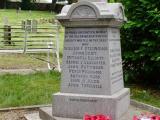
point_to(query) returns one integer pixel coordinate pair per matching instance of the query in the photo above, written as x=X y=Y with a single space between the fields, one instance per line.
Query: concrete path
x=22 y=71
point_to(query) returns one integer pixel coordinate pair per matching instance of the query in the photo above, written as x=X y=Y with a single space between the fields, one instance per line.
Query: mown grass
x=33 y=89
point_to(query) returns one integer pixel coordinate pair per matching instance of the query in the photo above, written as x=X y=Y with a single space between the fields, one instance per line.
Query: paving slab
x=33 y=116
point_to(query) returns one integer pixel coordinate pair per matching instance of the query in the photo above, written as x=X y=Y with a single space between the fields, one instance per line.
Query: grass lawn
x=9 y=61
x=13 y=17
x=24 y=61
x=146 y=95
x=33 y=89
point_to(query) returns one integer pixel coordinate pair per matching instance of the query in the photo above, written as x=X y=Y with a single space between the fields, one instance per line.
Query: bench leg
x=48 y=59
x=58 y=62
x=49 y=63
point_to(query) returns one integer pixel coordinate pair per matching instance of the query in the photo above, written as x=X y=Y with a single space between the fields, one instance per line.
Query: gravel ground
x=15 y=114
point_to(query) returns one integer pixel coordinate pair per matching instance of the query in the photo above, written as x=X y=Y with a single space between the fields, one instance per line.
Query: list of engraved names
x=116 y=73
x=85 y=57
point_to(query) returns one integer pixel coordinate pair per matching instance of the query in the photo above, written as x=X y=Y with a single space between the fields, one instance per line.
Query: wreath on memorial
x=105 y=117
x=147 y=117
x=96 y=117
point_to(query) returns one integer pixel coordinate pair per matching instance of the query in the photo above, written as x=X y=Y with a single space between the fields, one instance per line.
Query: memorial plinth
x=92 y=75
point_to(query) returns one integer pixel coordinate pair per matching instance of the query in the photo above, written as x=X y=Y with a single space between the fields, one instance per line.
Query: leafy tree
x=3 y=3
x=113 y=1
x=26 y=5
x=141 y=41
x=72 y=1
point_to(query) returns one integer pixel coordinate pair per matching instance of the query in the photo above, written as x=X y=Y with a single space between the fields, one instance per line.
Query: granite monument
x=92 y=75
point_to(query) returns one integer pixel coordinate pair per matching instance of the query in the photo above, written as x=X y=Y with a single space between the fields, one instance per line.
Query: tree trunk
x=53 y=4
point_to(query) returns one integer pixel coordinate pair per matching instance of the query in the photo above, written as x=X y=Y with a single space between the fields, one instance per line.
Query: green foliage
x=112 y=1
x=3 y=3
x=72 y=1
x=26 y=5
x=141 y=41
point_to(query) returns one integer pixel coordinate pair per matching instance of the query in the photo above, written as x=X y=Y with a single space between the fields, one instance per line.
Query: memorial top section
x=92 y=11
x=94 y=0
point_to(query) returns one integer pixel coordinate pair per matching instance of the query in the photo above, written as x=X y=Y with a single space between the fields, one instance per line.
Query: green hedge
x=141 y=41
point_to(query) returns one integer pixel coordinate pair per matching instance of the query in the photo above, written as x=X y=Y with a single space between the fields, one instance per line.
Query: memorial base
x=70 y=105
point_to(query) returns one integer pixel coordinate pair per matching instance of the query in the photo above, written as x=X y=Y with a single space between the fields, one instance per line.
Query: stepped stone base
x=45 y=113
x=76 y=105
x=69 y=105
x=128 y=116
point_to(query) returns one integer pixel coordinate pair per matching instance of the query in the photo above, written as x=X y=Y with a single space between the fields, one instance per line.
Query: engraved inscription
x=85 y=57
x=116 y=73
x=83 y=11
x=82 y=100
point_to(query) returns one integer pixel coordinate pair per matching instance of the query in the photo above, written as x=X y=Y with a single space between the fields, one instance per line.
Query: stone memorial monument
x=28 y=26
x=34 y=26
x=92 y=75
x=7 y=32
x=23 y=24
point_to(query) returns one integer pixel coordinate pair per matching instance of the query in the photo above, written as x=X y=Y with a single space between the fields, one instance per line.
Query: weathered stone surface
x=136 y=108
x=76 y=105
x=92 y=61
x=34 y=25
x=29 y=25
x=33 y=116
x=127 y=116
x=93 y=13
x=46 y=114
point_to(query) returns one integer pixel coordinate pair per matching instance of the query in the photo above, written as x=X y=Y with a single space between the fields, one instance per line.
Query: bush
x=26 y=5
x=141 y=41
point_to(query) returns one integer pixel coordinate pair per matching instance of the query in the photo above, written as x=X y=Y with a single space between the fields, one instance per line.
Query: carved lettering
x=84 y=63
x=83 y=11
